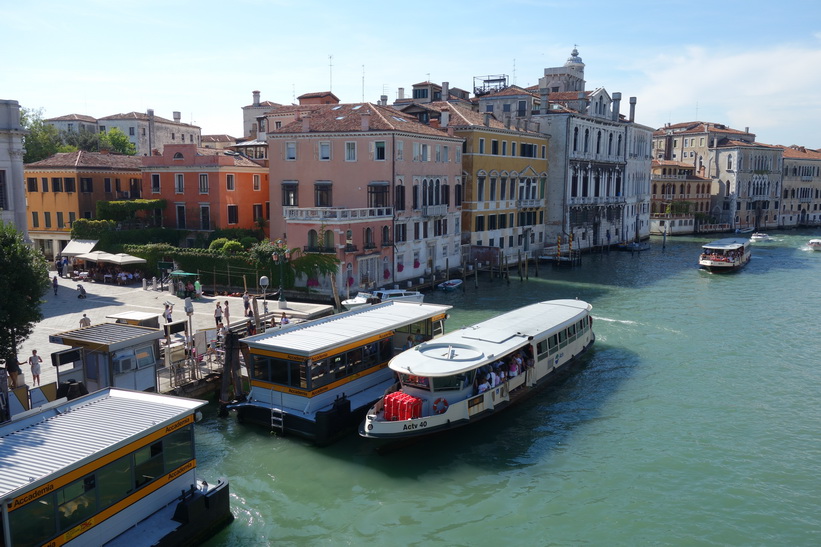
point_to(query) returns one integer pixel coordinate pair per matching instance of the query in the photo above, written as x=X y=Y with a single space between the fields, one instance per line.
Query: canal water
x=695 y=420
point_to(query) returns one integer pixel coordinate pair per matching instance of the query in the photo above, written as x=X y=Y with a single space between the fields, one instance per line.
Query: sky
x=744 y=63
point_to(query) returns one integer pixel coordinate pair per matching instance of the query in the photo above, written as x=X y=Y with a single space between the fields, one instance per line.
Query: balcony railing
x=319 y=249
x=529 y=203
x=603 y=200
x=434 y=210
x=337 y=215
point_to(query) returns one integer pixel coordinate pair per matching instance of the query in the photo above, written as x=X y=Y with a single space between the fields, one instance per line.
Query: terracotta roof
x=143 y=117
x=263 y=103
x=800 y=152
x=317 y=94
x=218 y=138
x=563 y=96
x=72 y=117
x=685 y=128
x=509 y=91
x=343 y=118
x=732 y=143
x=420 y=84
x=82 y=159
x=671 y=163
x=239 y=159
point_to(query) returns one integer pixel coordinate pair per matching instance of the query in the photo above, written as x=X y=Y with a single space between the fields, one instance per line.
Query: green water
x=694 y=421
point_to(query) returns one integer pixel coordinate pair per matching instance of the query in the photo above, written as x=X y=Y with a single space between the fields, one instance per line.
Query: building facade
x=206 y=189
x=64 y=187
x=148 y=132
x=370 y=185
x=801 y=193
x=680 y=199
x=12 y=193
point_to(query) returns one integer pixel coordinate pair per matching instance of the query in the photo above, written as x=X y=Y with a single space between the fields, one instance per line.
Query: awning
x=96 y=256
x=78 y=246
x=122 y=259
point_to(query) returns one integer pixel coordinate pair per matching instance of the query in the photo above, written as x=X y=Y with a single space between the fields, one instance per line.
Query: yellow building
x=504 y=175
x=64 y=187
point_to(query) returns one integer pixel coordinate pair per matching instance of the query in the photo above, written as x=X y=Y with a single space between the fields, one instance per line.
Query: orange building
x=206 y=188
x=64 y=187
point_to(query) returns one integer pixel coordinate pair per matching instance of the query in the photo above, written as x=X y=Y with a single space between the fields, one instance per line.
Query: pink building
x=369 y=184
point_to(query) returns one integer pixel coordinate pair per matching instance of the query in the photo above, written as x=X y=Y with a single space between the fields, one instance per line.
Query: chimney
x=543 y=98
x=434 y=123
x=507 y=120
x=401 y=93
x=747 y=129
x=306 y=122
x=445 y=90
x=450 y=132
x=616 y=105
x=487 y=119
x=177 y=117
x=383 y=100
x=366 y=120
x=256 y=98
x=632 y=109
x=444 y=120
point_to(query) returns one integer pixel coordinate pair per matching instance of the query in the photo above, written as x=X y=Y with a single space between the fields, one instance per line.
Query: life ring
x=440 y=405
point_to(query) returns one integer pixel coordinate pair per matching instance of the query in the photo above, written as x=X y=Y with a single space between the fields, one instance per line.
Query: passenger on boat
x=513 y=368
x=483 y=385
x=409 y=343
x=492 y=379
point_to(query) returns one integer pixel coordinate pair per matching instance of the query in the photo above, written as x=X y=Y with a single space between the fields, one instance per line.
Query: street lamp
x=280 y=256
x=263 y=282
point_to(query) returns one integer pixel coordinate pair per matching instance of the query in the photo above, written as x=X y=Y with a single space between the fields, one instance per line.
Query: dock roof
x=44 y=444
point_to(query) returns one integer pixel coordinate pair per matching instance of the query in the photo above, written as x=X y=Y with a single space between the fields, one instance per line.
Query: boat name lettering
x=292 y=357
x=406 y=427
x=33 y=495
x=77 y=530
x=176 y=425
x=177 y=472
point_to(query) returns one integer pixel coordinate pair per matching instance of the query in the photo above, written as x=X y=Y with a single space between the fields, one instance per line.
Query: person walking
x=35 y=361
x=218 y=314
x=85 y=321
x=55 y=284
x=13 y=369
x=246 y=302
x=227 y=314
x=167 y=312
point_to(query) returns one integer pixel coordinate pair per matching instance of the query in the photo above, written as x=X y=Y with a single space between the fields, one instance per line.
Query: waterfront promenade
x=64 y=311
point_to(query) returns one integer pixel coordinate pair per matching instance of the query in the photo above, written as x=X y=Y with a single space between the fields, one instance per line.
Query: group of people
x=190 y=290
x=490 y=376
x=13 y=370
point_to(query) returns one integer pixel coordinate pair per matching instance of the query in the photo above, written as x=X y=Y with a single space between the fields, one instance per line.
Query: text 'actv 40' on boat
x=472 y=373
x=725 y=255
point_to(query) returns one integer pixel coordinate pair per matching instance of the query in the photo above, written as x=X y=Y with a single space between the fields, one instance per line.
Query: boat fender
x=440 y=405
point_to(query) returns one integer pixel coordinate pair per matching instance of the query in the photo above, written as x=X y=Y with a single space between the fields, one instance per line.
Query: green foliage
x=679 y=207
x=42 y=140
x=236 y=233
x=127 y=210
x=23 y=281
x=232 y=248
x=110 y=238
x=117 y=141
x=218 y=244
x=84 y=228
x=248 y=242
x=88 y=141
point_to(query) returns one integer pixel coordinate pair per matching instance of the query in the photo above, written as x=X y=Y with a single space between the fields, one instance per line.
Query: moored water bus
x=316 y=380
x=114 y=467
x=725 y=255
x=477 y=371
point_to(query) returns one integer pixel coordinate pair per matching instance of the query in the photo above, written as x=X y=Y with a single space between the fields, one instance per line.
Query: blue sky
x=747 y=63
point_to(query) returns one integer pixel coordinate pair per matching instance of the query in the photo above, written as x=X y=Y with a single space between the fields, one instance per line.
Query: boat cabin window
x=76 y=502
x=423 y=330
x=454 y=382
x=148 y=464
x=422 y=382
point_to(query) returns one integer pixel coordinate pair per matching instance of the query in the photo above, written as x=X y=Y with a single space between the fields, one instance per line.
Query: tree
x=88 y=141
x=23 y=281
x=117 y=141
x=42 y=140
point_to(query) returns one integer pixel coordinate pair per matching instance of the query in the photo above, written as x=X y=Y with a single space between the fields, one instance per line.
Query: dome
x=574 y=59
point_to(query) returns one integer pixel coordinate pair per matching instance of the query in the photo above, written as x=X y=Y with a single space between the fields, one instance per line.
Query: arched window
x=610 y=144
x=386 y=236
x=369 y=238
x=575 y=139
x=313 y=240
x=598 y=142
x=586 y=141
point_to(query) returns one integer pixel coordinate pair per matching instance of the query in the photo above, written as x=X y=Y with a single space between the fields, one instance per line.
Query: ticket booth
x=109 y=355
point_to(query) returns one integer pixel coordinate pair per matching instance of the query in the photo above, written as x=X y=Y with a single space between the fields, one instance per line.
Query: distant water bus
x=316 y=379
x=114 y=467
x=477 y=371
x=725 y=255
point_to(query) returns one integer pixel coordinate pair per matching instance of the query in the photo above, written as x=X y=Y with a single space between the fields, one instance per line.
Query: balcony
x=319 y=249
x=522 y=203
x=334 y=215
x=603 y=200
x=434 y=210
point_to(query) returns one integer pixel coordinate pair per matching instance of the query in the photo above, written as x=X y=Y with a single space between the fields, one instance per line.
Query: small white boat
x=725 y=255
x=814 y=244
x=760 y=236
x=450 y=285
x=746 y=230
x=384 y=295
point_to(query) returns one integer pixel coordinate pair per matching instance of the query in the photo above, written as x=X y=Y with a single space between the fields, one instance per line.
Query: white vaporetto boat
x=477 y=371
x=383 y=295
x=725 y=255
x=760 y=237
x=814 y=244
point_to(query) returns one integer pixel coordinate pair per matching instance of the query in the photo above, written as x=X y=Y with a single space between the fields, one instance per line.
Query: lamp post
x=279 y=256
x=263 y=282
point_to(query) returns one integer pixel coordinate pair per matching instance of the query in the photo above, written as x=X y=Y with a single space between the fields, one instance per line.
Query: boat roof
x=106 y=336
x=727 y=244
x=472 y=347
x=313 y=337
x=51 y=441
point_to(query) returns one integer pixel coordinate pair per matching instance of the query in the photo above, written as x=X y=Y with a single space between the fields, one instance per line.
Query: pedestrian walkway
x=64 y=312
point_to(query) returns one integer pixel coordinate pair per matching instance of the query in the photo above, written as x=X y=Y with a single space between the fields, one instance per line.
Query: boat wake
x=609 y=320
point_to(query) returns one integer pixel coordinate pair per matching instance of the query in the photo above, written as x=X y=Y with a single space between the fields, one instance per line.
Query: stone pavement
x=64 y=311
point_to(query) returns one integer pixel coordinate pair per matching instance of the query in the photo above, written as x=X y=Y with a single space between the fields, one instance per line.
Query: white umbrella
x=96 y=256
x=122 y=259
